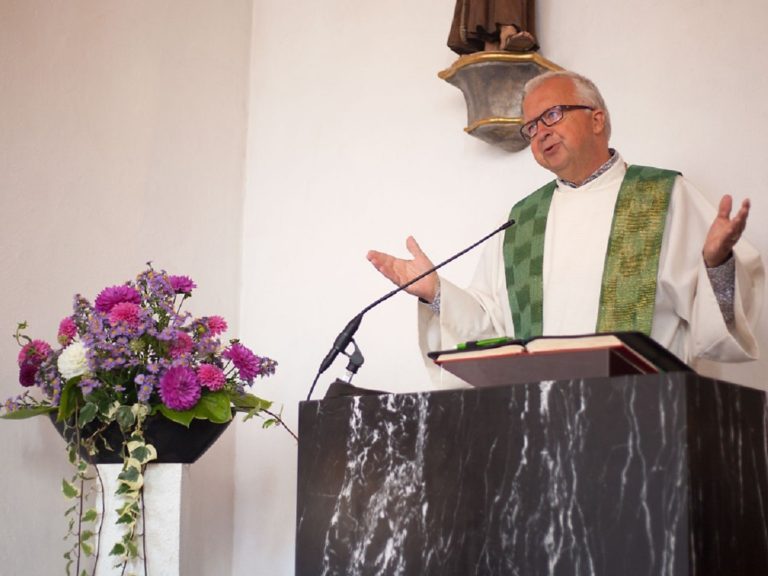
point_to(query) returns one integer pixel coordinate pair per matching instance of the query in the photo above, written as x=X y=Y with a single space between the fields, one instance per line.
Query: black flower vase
x=175 y=443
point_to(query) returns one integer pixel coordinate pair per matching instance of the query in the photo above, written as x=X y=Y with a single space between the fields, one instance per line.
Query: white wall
x=122 y=140
x=354 y=143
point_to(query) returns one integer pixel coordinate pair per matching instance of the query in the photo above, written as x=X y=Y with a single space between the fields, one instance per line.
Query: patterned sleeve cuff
x=723 y=280
x=435 y=304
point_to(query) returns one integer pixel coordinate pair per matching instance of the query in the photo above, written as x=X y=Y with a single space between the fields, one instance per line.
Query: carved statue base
x=492 y=83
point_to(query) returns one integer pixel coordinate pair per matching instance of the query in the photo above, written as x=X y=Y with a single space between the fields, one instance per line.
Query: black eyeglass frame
x=534 y=124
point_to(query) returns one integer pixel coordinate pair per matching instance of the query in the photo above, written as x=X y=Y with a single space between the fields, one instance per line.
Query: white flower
x=72 y=361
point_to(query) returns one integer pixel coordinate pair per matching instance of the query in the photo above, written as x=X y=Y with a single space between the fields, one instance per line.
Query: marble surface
x=637 y=475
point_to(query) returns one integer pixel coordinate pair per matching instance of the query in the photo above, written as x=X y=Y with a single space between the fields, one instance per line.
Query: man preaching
x=605 y=247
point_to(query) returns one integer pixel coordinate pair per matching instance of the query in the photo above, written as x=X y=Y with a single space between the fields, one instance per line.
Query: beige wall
x=122 y=140
x=355 y=143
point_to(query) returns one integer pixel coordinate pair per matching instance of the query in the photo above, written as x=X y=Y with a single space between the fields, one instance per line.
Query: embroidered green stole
x=631 y=264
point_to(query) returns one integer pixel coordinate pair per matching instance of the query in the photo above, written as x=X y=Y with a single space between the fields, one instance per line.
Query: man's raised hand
x=724 y=232
x=400 y=271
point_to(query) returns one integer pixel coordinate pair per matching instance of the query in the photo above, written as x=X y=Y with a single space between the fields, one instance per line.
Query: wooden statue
x=493 y=25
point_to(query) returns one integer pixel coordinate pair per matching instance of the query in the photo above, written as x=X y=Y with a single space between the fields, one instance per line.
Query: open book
x=501 y=361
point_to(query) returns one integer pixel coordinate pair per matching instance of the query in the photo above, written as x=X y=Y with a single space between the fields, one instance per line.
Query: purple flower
x=13 y=404
x=88 y=385
x=146 y=386
x=210 y=376
x=157 y=289
x=27 y=373
x=109 y=297
x=49 y=379
x=82 y=310
x=179 y=388
x=182 y=284
x=246 y=362
x=136 y=340
x=67 y=331
x=268 y=367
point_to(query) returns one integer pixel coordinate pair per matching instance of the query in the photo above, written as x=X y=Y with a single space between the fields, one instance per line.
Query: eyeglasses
x=549 y=117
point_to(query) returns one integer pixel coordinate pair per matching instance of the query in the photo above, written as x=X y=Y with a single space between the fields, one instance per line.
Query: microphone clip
x=355 y=360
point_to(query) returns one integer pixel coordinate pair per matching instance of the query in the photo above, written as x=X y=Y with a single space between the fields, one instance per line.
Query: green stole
x=631 y=262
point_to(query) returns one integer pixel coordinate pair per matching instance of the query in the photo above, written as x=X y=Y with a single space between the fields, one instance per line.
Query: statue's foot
x=521 y=41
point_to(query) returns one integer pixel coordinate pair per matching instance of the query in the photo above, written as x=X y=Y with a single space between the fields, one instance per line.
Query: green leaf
x=117 y=550
x=180 y=417
x=24 y=413
x=70 y=398
x=136 y=436
x=103 y=401
x=129 y=475
x=213 y=406
x=69 y=490
x=133 y=548
x=87 y=414
x=247 y=402
x=86 y=535
x=125 y=418
x=142 y=454
x=90 y=515
x=125 y=519
x=126 y=507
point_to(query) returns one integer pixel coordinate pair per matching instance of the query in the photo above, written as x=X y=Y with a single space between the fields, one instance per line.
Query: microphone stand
x=346 y=336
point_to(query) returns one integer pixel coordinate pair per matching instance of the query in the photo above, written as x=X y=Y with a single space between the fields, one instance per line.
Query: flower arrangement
x=132 y=355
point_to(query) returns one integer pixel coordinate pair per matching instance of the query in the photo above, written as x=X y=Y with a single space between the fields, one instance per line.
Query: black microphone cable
x=347 y=334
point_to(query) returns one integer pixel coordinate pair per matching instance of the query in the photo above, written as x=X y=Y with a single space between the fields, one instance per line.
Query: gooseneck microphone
x=346 y=336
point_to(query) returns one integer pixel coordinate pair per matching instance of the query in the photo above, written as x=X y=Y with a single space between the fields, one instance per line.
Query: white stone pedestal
x=162 y=506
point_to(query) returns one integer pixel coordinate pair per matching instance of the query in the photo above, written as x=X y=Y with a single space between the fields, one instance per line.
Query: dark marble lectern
x=663 y=474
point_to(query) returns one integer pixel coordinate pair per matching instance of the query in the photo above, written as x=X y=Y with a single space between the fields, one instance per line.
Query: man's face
x=574 y=147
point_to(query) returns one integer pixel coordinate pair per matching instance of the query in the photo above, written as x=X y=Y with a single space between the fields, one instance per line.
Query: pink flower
x=67 y=331
x=179 y=388
x=246 y=362
x=30 y=358
x=182 y=284
x=34 y=352
x=127 y=312
x=181 y=345
x=210 y=376
x=217 y=325
x=110 y=297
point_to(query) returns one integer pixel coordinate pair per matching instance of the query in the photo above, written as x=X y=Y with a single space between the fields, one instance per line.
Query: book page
x=506 y=350
x=549 y=343
x=540 y=344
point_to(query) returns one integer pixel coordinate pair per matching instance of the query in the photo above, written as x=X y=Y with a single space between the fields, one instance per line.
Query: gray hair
x=585 y=90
